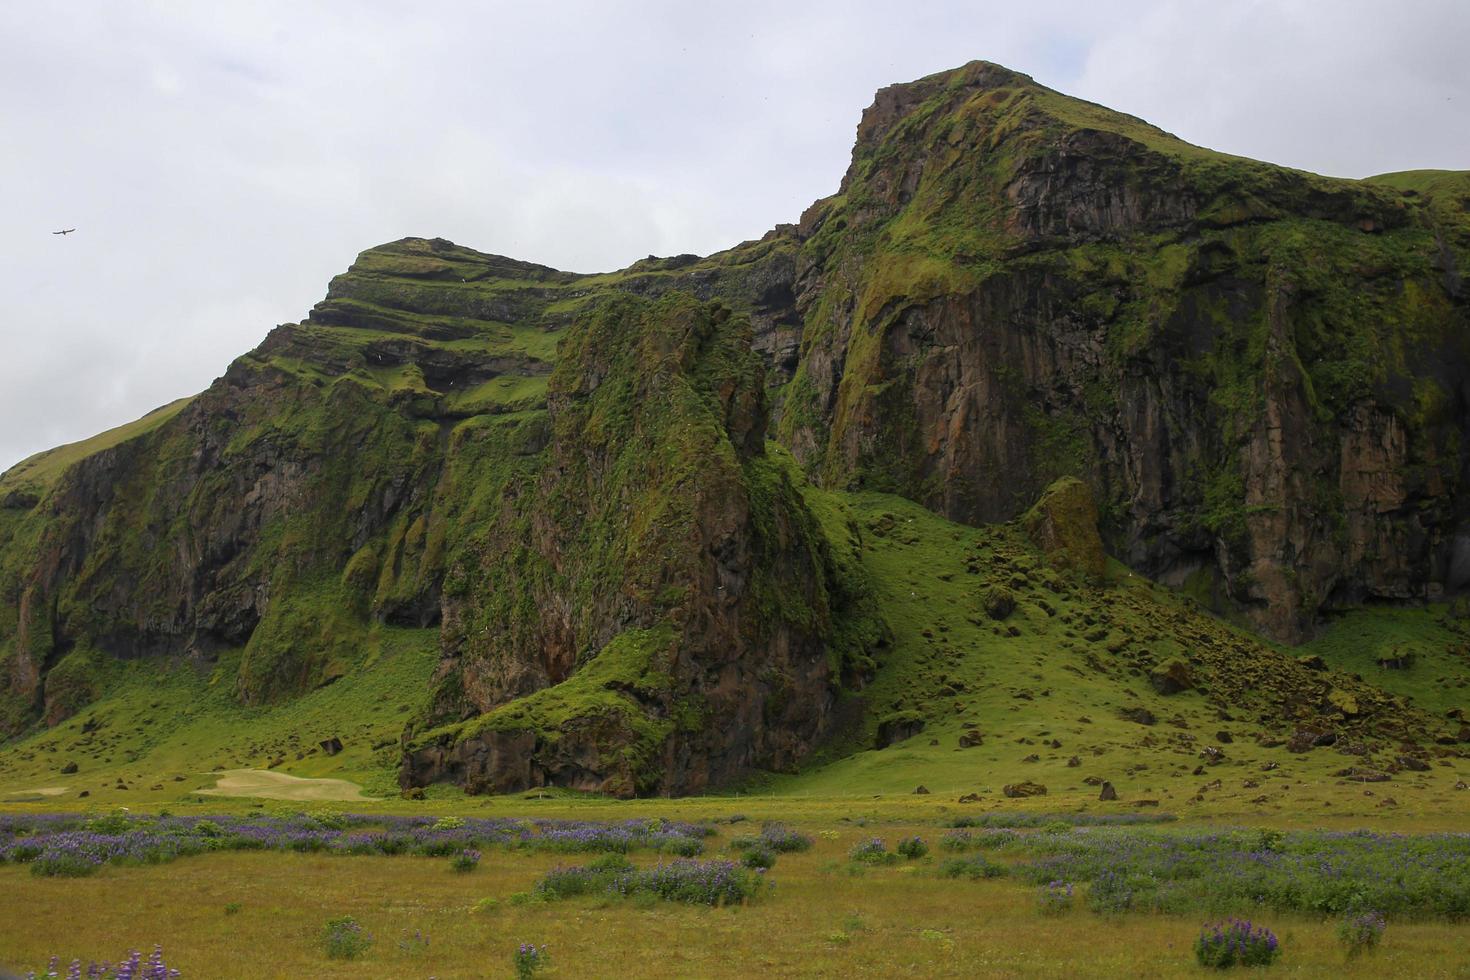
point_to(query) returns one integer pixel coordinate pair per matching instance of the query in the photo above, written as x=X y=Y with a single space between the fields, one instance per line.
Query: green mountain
x=633 y=532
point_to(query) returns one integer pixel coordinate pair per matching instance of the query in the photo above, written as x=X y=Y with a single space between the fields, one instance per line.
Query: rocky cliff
x=595 y=486
x=1261 y=372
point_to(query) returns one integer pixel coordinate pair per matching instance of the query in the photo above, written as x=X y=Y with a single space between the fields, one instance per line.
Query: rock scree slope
x=602 y=489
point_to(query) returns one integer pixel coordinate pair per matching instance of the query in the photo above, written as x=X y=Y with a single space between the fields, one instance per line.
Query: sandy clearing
x=269 y=785
x=30 y=795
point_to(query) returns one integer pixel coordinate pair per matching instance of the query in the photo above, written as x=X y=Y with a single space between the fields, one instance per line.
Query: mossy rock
x=1000 y=602
x=1063 y=523
x=1343 y=701
x=1172 y=677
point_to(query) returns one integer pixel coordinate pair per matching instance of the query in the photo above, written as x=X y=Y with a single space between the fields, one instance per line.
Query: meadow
x=249 y=890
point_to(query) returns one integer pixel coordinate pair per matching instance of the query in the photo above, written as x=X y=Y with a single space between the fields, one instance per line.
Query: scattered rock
x=1063 y=523
x=1108 y=793
x=1139 y=716
x=413 y=793
x=1172 y=677
x=1145 y=803
x=1000 y=602
x=69 y=768
x=1342 y=701
x=921 y=791
x=970 y=739
x=1312 y=662
x=969 y=798
x=1410 y=762
x=1212 y=755
x=1459 y=785
x=1023 y=789
x=1073 y=762
x=87 y=792
x=1302 y=741
x=1033 y=757
x=1362 y=774
x=1093 y=780
x=897 y=728
x=1224 y=737
x=331 y=746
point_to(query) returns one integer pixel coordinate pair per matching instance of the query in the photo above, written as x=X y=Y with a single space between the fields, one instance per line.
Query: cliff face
x=594 y=485
x=1262 y=373
x=570 y=479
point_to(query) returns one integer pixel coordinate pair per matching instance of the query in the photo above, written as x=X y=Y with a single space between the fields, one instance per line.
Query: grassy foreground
x=825 y=916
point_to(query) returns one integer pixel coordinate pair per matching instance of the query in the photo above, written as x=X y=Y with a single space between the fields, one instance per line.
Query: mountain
x=634 y=507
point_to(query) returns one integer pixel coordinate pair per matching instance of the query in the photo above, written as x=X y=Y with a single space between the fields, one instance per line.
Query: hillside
x=650 y=531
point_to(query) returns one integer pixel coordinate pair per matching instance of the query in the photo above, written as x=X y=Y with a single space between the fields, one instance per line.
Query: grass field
x=824 y=917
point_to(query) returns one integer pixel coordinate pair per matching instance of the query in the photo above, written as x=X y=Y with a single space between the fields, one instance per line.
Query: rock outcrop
x=1261 y=373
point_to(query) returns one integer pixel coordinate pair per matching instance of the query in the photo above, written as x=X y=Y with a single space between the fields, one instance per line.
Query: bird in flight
x=66 y=231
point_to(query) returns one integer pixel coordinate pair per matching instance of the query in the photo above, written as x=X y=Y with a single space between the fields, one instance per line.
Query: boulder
x=921 y=791
x=1063 y=523
x=1342 y=701
x=331 y=746
x=898 y=727
x=69 y=768
x=970 y=739
x=1000 y=602
x=1172 y=677
x=1108 y=793
x=1023 y=789
x=1139 y=716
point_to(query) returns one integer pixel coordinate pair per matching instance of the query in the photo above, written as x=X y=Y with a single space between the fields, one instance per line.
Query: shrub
x=681 y=846
x=528 y=959
x=344 y=939
x=1110 y=893
x=912 y=848
x=65 y=862
x=758 y=857
x=413 y=944
x=697 y=882
x=466 y=860
x=974 y=867
x=1235 y=942
x=112 y=824
x=232 y=908
x=1361 y=933
x=783 y=840
x=449 y=823
x=1055 y=898
x=872 y=851
x=956 y=840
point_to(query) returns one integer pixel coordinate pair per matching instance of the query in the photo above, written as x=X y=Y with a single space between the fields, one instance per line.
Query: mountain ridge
x=1260 y=373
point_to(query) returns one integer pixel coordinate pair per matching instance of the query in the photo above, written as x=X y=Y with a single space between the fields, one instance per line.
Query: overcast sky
x=221 y=161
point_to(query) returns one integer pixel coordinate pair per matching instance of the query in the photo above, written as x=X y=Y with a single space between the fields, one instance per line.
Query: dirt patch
x=278 y=786
x=34 y=795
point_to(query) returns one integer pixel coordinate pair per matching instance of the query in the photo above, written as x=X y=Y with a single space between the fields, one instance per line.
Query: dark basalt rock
x=1108 y=793
x=1023 y=789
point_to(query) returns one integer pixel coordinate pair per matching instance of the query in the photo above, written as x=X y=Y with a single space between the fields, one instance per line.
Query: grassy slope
x=158 y=723
x=36 y=474
x=948 y=662
x=1026 y=690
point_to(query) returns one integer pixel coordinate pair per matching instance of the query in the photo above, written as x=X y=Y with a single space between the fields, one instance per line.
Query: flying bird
x=66 y=231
